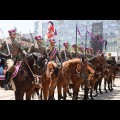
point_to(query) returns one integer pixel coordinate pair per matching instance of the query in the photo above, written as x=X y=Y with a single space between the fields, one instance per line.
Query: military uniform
x=65 y=55
x=16 y=52
x=15 y=49
x=52 y=53
x=76 y=54
x=37 y=48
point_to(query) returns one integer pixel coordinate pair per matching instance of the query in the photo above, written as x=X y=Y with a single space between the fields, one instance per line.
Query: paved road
x=115 y=95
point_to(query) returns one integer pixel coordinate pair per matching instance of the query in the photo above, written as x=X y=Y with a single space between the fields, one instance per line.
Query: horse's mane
x=92 y=59
x=74 y=60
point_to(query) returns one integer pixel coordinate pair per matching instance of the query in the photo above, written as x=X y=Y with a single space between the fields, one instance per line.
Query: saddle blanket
x=2 y=77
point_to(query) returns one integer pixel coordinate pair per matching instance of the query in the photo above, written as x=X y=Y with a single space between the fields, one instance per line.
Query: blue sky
x=22 y=25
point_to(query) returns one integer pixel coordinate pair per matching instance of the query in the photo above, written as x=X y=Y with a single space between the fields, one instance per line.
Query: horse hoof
x=101 y=92
x=106 y=91
x=95 y=95
x=112 y=89
x=53 y=98
x=92 y=98
x=114 y=85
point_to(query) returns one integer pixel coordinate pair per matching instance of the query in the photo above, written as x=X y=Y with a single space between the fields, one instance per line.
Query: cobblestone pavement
x=114 y=95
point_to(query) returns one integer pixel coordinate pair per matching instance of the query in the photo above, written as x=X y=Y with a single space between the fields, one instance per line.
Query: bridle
x=35 y=76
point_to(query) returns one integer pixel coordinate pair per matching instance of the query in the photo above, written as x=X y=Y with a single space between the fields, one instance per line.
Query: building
x=66 y=30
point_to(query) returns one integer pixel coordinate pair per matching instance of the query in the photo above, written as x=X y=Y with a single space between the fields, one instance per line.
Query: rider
x=111 y=59
x=75 y=53
x=39 y=47
x=16 y=52
x=65 y=53
x=52 y=52
x=92 y=52
x=81 y=51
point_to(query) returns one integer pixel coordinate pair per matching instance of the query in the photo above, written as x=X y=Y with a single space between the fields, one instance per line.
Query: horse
x=89 y=76
x=49 y=80
x=109 y=76
x=29 y=74
x=70 y=70
x=98 y=63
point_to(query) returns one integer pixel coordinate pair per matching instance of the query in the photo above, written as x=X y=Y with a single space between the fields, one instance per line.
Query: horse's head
x=37 y=62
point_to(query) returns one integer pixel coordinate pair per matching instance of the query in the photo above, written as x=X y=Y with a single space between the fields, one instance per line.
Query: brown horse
x=49 y=80
x=31 y=69
x=70 y=70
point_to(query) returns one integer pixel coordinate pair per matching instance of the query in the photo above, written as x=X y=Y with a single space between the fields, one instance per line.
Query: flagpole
x=76 y=33
x=85 y=42
x=76 y=39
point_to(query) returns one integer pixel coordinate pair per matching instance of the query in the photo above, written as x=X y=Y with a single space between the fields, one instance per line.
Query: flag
x=100 y=39
x=51 y=31
x=90 y=34
x=79 y=32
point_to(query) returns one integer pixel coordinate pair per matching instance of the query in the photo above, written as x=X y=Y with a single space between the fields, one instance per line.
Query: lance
x=32 y=37
x=5 y=41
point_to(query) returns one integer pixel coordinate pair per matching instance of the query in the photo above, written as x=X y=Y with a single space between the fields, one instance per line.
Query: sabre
x=5 y=41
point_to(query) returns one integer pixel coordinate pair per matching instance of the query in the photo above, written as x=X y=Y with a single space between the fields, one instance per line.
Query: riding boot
x=7 y=79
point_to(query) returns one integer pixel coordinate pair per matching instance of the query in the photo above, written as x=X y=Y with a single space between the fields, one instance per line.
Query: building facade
x=66 y=30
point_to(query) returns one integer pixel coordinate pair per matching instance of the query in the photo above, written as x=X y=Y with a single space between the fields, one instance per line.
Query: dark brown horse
x=89 y=76
x=108 y=77
x=27 y=78
x=98 y=63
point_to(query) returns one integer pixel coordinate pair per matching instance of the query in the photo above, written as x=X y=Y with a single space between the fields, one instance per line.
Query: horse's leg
x=46 y=92
x=91 y=91
x=105 y=80
x=95 y=88
x=65 y=88
x=18 y=95
x=86 y=93
x=77 y=91
x=59 y=89
x=111 y=85
x=53 y=97
x=100 y=81
x=41 y=94
x=74 y=91
x=28 y=95
x=69 y=89
x=51 y=93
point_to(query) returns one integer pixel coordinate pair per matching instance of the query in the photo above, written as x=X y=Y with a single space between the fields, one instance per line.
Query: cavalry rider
x=75 y=53
x=39 y=47
x=65 y=53
x=98 y=52
x=92 y=52
x=52 y=52
x=110 y=59
x=16 y=52
x=88 y=53
x=81 y=51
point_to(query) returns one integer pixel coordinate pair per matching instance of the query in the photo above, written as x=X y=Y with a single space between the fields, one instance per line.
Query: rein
x=35 y=76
